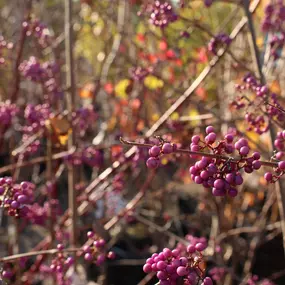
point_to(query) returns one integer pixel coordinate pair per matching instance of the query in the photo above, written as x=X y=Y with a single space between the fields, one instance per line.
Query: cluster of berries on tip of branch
x=273 y=24
x=222 y=174
x=16 y=197
x=157 y=150
x=172 y=266
x=217 y=42
x=95 y=252
x=160 y=13
x=261 y=105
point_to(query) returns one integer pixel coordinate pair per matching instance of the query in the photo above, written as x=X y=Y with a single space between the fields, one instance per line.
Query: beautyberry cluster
x=7 y=112
x=161 y=13
x=261 y=105
x=217 y=273
x=193 y=241
x=274 y=23
x=208 y=3
x=95 y=252
x=15 y=197
x=90 y=155
x=60 y=265
x=157 y=150
x=139 y=73
x=217 y=42
x=254 y=280
x=39 y=215
x=221 y=173
x=39 y=30
x=46 y=74
x=83 y=118
x=279 y=171
x=279 y=144
x=171 y=266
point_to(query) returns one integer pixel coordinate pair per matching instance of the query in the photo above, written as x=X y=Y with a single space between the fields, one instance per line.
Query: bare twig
x=70 y=82
x=280 y=185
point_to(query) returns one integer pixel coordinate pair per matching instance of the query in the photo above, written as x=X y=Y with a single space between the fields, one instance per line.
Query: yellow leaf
x=259 y=41
x=174 y=116
x=121 y=87
x=155 y=117
x=194 y=113
x=275 y=87
x=153 y=83
x=164 y=161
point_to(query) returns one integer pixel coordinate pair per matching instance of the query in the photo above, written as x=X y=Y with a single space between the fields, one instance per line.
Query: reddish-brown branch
x=39 y=252
x=16 y=73
x=199 y=153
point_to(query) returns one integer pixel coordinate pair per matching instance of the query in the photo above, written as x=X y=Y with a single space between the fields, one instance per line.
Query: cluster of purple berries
x=157 y=150
x=171 y=266
x=94 y=249
x=222 y=174
x=4 y=46
x=256 y=117
x=274 y=17
x=35 y=116
x=60 y=265
x=161 y=13
x=254 y=280
x=208 y=3
x=83 y=118
x=279 y=171
x=16 y=197
x=39 y=30
x=7 y=112
x=90 y=155
x=39 y=215
x=139 y=73
x=217 y=273
x=46 y=74
x=193 y=241
x=33 y=70
x=217 y=42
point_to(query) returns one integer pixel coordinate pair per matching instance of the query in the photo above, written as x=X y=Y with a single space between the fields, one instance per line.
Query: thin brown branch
x=199 y=153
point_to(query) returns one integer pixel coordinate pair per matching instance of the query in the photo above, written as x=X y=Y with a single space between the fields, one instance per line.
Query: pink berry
x=191 y=248
x=111 y=255
x=161 y=265
x=207 y=281
x=154 y=151
x=167 y=148
x=211 y=138
x=210 y=129
x=152 y=162
x=268 y=176
x=200 y=246
x=229 y=138
x=195 y=139
x=256 y=164
x=256 y=155
x=90 y=234
x=219 y=184
x=281 y=165
x=182 y=271
x=244 y=150
x=232 y=192
x=147 y=268
x=88 y=257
